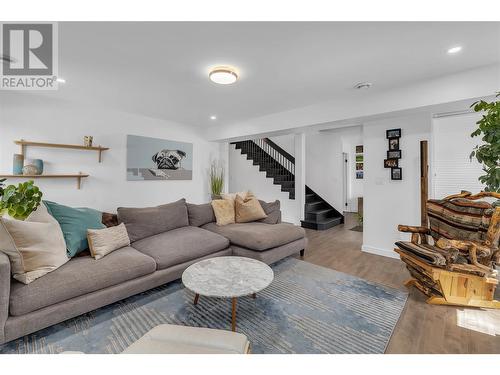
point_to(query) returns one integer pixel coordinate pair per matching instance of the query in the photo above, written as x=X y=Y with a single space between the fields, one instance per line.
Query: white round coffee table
x=227 y=277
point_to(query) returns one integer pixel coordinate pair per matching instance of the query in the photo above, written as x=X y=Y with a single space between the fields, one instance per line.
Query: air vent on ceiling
x=362 y=85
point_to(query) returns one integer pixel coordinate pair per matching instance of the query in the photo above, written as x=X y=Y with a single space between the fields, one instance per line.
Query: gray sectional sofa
x=165 y=240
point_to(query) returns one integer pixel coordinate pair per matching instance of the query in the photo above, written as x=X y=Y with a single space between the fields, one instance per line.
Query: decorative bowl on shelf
x=33 y=167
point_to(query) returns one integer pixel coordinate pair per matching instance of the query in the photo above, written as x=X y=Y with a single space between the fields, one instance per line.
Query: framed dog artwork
x=158 y=159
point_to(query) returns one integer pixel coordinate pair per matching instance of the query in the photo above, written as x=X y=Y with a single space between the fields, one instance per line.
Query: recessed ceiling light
x=61 y=80
x=363 y=85
x=455 y=49
x=213 y=117
x=223 y=75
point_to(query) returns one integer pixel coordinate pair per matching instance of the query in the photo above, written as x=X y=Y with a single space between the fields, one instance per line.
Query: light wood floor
x=422 y=328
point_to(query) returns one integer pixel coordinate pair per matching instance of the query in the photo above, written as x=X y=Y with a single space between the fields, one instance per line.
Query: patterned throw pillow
x=104 y=241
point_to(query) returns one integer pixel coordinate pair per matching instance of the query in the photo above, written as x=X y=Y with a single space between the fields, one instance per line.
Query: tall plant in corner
x=216 y=180
x=488 y=153
x=19 y=201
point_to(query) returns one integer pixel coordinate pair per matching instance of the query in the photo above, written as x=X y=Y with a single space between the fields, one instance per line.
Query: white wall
x=286 y=142
x=452 y=170
x=324 y=165
x=243 y=176
x=33 y=117
x=389 y=203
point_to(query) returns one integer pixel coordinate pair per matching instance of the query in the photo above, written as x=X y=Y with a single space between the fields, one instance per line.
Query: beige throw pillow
x=247 y=210
x=35 y=246
x=104 y=241
x=232 y=196
x=224 y=211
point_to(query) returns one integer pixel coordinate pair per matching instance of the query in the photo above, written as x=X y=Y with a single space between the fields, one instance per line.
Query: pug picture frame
x=158 y=159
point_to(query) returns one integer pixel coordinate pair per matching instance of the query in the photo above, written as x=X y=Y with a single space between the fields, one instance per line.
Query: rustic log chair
x=459 y=267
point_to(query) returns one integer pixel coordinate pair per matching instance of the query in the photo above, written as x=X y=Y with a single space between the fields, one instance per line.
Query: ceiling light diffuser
x=223 y=75
x=455 y=49
x=213 y=117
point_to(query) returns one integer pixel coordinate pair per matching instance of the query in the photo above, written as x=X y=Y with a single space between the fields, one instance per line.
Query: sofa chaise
x=165 y=240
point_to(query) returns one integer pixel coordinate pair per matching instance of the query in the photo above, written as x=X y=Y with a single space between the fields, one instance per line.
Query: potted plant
x=216 y=180
x=488 y=153
x=19 y=201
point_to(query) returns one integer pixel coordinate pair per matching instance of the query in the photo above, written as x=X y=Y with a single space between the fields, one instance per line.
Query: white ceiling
x=160 y=69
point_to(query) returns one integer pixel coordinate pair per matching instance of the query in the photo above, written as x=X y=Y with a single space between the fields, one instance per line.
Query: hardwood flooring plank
x=422 y=328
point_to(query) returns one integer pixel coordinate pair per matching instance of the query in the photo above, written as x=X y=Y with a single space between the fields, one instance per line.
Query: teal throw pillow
x=74 y=223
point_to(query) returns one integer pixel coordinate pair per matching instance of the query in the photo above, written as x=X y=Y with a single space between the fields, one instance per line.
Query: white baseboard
x=378 y=251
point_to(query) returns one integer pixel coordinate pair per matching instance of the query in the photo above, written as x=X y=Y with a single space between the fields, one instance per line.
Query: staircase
x=280 y=166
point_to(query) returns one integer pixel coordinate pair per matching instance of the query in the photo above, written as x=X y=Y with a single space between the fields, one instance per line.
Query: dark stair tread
x=315 y=202
x=322 y=224
x=320 y=211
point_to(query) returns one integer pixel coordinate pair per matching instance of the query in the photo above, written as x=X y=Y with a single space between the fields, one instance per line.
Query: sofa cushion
x=104 y=241
x=200 y=214
x=148 y=221
x=258 y=236
x=272 y=210
x=34 y=246
x=81 y=275
x=180 y=245
x=248 y=209
x=224 y=211
x=74 y=223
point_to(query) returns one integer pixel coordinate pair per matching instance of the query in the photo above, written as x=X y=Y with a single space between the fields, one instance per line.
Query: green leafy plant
x=21 y=200
x=359 y=216
x=488 y=154
x=216 y=178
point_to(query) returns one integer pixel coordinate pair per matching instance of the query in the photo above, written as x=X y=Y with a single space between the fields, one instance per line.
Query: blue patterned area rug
x=306 y=309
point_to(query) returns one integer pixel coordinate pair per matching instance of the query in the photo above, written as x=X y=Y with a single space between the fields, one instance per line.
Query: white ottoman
x=173 y=339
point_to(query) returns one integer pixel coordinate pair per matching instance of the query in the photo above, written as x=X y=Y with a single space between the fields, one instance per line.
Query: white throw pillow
x=104 y=241
x=34 y=246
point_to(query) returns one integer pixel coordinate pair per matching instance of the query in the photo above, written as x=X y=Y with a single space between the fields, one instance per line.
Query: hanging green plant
x=488 y=153
x=21 y=200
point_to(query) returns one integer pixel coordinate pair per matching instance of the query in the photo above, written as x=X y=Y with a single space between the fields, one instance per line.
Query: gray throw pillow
x=273 y=212
x=148 y=221
x=200 y=214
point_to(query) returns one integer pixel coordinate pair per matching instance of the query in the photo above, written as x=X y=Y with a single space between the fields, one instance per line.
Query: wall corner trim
x=379 y=251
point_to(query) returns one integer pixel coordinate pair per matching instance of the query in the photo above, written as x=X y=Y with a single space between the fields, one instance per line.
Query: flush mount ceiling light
x=213 y=117
x=362 y=85
x=454 y=50
x=223 y=75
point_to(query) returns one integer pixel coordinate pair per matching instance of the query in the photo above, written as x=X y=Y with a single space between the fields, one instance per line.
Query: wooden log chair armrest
x=416 y=233
x=473 y=250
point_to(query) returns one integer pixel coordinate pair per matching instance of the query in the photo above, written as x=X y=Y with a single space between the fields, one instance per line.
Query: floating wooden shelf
x=78 y=176
x=24 y=143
